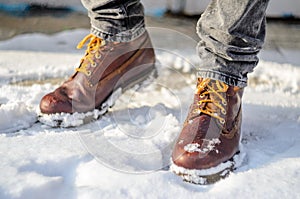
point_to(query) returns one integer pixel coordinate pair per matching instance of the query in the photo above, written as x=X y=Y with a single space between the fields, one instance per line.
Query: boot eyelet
x=94 y=64
x=224 y=112
x=196 y=111
x=98 y=56
x=88 y=73
x=222 y=121
x=202 y=96
x=224 y=103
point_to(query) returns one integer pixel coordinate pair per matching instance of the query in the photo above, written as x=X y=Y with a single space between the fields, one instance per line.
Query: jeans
x=116 y=20
x=231 y=33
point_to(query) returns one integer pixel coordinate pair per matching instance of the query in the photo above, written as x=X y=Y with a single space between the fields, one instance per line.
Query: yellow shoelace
x=92 y=50
x=216 y=89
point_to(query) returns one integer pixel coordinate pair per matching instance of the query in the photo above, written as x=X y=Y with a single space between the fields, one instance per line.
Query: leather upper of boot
x=101 y=68
x=211 y=131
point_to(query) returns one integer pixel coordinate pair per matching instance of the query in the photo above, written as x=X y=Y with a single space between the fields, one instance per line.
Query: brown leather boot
x=105 y=68
x=206 y=147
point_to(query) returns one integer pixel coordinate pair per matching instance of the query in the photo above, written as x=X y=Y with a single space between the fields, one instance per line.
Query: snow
x=126 y=153
x=207 y=145
x=200 y=176
x=17 y=112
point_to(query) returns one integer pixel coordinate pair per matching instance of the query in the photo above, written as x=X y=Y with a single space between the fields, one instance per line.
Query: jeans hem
x=227 y=79
x=124 y=36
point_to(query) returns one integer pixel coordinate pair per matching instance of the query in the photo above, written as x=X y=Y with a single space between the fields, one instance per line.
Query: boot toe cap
x=195 y=160
x=51 y=104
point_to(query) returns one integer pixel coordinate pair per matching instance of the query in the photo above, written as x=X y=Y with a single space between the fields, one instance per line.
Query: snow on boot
x=207 y=148
x=106 y=70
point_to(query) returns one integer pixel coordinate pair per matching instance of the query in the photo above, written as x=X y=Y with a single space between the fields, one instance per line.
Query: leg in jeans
x=231 y=35
x=119 y=54
x=116 y=20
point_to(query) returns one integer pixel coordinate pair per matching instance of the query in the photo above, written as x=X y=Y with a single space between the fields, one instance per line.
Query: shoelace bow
x=92 y=50
x=215 y=89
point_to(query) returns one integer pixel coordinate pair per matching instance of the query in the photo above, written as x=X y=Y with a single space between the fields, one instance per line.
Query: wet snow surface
x=125 y=154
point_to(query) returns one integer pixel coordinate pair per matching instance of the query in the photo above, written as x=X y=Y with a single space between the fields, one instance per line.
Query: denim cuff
x=124 y=36
x=227 y=79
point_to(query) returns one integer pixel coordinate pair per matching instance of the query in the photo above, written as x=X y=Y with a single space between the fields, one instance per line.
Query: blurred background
x=51 y=16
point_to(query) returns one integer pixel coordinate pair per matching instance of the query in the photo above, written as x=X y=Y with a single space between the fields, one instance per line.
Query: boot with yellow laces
x=207 y=148
x=106 y=69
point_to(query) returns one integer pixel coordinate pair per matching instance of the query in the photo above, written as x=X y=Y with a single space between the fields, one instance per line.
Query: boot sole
x=66 y=120
x=211 y=175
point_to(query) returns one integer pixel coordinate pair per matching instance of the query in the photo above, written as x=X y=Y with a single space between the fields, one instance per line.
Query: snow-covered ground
x=125 y=154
